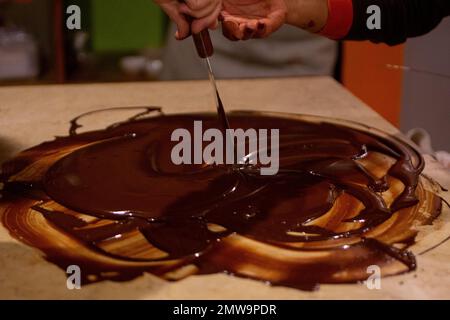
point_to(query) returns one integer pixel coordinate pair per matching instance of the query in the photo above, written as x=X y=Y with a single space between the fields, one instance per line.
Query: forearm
x=400 y=19
x=310 y=15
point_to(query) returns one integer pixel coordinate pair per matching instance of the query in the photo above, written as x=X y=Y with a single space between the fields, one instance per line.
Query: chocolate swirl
x=343 y=199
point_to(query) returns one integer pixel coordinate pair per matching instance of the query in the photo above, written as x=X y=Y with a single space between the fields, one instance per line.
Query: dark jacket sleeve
x=400 y=19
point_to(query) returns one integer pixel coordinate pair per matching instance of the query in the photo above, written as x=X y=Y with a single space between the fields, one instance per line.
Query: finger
x=214 y=25
x=250 y=29
x=261 y=30
x=252 y=24
x=183 y=28
x=272 y=23
x=200 y=24
x=224 y=15
x=180 y=20
x=233 y=28
x=228 y=30
x=248 y=33
x=240 y=32
x=198 y=13
x=199 y=5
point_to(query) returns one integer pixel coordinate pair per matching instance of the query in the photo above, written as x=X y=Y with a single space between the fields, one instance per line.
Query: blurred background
x=133 y=41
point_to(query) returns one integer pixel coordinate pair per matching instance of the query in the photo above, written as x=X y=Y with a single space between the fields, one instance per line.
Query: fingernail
x=248 y=33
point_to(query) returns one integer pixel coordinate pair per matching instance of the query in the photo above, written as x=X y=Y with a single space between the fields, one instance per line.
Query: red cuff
x=340 y=19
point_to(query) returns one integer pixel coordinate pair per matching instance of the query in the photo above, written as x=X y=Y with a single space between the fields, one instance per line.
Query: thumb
x=183 y=26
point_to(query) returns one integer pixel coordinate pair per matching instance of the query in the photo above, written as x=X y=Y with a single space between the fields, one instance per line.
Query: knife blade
x=219 y=105
x=205 y=49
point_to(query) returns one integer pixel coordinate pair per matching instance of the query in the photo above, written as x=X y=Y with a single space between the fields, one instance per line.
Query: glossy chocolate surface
x=344 y=199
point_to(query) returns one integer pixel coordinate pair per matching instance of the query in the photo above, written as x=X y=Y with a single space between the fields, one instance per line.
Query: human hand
x=245 y=19
x=191 y=15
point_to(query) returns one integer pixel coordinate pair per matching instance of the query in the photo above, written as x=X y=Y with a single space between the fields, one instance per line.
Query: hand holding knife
x=205 y=49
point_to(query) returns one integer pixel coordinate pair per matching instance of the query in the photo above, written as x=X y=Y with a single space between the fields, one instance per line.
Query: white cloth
x=423 y=140
x=288 y=52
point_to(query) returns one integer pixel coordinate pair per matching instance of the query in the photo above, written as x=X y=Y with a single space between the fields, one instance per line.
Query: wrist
x=310 y=15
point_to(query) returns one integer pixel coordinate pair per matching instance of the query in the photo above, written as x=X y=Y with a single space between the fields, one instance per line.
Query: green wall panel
x=125 y=25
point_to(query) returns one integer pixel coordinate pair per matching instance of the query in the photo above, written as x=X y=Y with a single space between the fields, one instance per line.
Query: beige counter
x=32 y=114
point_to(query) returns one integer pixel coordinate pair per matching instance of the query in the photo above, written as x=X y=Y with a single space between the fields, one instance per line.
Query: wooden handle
x=203 y=44
x=202 y=41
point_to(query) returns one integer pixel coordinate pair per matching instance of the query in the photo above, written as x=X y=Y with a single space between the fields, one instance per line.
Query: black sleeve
x=400 y=19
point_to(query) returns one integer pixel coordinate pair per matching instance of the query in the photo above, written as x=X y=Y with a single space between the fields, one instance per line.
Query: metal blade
x=220 y=109
x=413 y=69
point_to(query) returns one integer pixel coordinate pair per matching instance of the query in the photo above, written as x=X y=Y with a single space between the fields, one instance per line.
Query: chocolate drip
x=124 y=175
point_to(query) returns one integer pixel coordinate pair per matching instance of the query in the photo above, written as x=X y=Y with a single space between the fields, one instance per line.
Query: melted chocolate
x=317 y=221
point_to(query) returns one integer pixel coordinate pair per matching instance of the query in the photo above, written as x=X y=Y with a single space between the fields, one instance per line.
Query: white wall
x=426 y=98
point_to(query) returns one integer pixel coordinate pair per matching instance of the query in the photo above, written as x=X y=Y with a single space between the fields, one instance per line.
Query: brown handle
x=203 y=44
x=202 y=41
